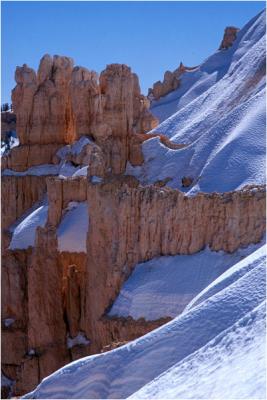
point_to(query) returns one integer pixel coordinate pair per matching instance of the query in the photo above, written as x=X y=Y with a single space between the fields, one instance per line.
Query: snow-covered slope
x=231 y=366
x=219 y=112
x=163 y=286
x=224 y=333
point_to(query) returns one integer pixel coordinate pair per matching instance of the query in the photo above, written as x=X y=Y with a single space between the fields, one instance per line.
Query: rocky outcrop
x=55 y=304
x=60 y=104
x=42 y=102
x=136 y=153
x=171 y=82
x=229 y=37
x=123 y=330
x=65 y=296
x=25 y=156
x=130 y=224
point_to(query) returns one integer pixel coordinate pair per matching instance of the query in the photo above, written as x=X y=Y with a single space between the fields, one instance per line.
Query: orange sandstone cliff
x=54 y=300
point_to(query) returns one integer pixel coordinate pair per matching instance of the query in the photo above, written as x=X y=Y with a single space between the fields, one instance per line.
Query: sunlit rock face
x=61 y=103
x=229 y=37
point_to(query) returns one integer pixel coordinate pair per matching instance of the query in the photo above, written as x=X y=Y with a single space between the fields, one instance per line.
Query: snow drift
x=230 y=320
x=163 y=286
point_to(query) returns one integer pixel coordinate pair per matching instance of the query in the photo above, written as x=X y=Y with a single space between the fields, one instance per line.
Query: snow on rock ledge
x=163 y=286
x=73 y=228
x=24 y=233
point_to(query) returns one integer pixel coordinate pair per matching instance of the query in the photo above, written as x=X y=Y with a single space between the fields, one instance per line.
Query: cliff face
x=60 y=104
x=54 y=302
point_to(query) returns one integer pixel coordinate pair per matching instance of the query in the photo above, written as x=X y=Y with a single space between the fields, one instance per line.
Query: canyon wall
x=55 y=303
x=131 y=224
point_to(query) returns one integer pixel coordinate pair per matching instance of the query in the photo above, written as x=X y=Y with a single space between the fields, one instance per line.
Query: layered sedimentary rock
x=19 y=193
x=42 y=102
x=25 y=156
x=170 y=82
x=229 y=37
x=134 y=224
x=68 y=294
x=60 y=104
x=55 y=302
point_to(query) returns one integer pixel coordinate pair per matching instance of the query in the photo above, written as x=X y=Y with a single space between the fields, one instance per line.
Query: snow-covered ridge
x=224 y=330
x=219 y=112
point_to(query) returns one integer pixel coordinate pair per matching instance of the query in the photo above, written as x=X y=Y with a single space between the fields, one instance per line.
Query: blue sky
x=150 y=37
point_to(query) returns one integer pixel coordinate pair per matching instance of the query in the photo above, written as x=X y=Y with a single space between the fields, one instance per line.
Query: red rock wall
x=60 y=103
x=133 y=224
x=18 y=195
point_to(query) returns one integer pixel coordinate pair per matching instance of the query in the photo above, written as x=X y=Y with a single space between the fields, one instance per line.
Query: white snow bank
x=163 y=286
x=96 y=179
x=231 y=319
x=221 y=117
x=81 y=172
x=6 y=382
x=73 y=228
x=64 y=169
x=8 y=322
x=79 y=340
x=231 y=366
x=24 y=233
x=75 y=148
x=236 y=272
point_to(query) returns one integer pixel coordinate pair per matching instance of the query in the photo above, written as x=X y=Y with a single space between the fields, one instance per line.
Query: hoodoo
x=113 y=202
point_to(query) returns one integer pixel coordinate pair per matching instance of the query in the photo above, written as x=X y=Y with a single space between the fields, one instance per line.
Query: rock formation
x=54 y=303
x=229 y=37
x=60 y=104
x=172 y=80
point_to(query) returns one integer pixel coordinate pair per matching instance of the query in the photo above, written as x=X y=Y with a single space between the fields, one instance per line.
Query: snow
x=234 y=273
x=73 y=228
x=74 y=149
x=219 y=112
x=8 y=322
x=79 y=340
x=216 y=349
x=96 y=179
x=24 y=232
x=13 y=142
x=64 y=169
x=163 y=286
x=6 y=382
x=81 y=172
x=231 y=366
